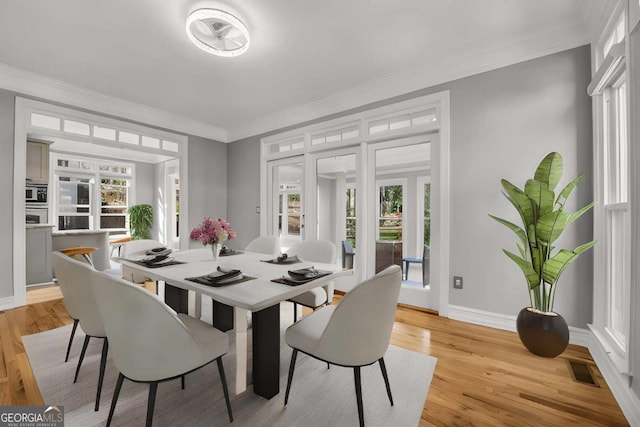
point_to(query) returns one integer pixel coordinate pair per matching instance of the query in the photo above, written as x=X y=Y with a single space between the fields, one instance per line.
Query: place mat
x=156 y=264
x=297 y=281
x=206 y=280
x=283 y=261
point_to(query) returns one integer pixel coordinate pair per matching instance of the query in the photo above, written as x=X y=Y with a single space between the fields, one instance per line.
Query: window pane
x=390 y=222
x=147 y=141
x=104 y=133
x=76 y=127
x=113 y=221
x=73 y=223
x=43 y=121
x=128 y=137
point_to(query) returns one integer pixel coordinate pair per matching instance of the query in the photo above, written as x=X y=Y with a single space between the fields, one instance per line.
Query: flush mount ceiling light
x=218 y=32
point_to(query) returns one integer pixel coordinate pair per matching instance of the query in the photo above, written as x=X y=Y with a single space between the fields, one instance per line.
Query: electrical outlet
x=457 y=282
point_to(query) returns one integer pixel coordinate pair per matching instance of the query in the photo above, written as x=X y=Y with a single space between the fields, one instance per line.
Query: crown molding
x=475 y=59
x=46 y=88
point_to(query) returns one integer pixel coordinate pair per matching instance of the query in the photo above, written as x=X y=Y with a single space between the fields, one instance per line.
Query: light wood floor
x=484 y=376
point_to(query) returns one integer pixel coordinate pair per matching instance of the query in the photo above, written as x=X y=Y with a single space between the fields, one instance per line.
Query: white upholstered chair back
x=269 y=245
x=359 y=330
x=61 y=276
x=146 y=338
x=322 y=251
x=137 y=248
x=76 y=276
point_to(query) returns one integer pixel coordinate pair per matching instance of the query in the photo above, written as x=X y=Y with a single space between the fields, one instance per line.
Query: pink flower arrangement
x=210 y=232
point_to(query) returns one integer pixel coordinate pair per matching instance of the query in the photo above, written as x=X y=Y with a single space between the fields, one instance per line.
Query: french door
x=402 y=184
x=286 y=201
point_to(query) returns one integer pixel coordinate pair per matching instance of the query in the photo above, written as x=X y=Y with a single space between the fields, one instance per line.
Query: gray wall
x=243 y=186
x=6 y=192
x=502 y=123
x=207 y=182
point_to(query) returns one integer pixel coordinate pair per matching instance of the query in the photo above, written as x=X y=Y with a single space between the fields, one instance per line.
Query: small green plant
x=544 y=220
x=140 y=221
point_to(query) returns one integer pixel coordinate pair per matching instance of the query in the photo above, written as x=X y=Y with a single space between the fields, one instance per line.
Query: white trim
x=618 y=383
x=19 y=176
x=577 y=336
x=36 y=85
x=7 y=303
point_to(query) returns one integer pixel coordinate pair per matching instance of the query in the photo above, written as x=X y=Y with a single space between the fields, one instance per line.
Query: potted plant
x=213 y=232
x=541 y=330
x=141 y=221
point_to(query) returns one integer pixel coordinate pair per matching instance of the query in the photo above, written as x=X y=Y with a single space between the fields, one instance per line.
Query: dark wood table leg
x=176 y=298
x=222 y=315
x=266 y=352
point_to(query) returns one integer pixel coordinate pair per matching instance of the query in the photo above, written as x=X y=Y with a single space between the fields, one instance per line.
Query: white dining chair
x=355 y=333
x=69 y=302
x=151 y=343
x=322 y=251
x=76 y=277
x=269 y=245
x=137 y=248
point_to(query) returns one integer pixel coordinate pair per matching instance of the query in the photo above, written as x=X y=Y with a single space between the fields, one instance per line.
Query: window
x=290 y=210
x=390 y=211
x=351 y=215
x=91 y=194
x=612 y=211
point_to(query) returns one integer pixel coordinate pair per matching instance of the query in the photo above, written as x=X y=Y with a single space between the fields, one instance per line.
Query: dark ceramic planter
x=544 y=334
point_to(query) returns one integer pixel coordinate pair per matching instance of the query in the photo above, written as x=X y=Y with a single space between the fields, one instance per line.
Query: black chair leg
x=223 y=378
x=73 y=333
x=103 y=364
x=292 y=366
x=383 y=368
x=356 y=371
x=116 y=393
x=295 y=312
x=182 y=381
x=84 y=350
x=151 y=403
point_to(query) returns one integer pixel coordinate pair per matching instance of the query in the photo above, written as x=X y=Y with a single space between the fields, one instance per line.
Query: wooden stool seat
x=83 y=251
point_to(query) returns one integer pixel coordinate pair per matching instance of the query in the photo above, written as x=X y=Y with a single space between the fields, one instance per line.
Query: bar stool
x=80 y=252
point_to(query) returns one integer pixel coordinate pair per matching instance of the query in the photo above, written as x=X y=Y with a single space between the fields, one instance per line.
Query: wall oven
x=37 y=215
x=36 y=193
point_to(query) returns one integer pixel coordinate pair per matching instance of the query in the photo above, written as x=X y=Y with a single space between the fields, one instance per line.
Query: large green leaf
x=549 y=170
x=566 y=191
x=555 y=265
x=511 y=226
x=533 y=279
x=579 y=213
x=550 y=226
x=541 y=195
x=520 y=201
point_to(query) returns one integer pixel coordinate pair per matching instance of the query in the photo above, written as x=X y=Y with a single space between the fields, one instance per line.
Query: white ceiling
x=307 y=58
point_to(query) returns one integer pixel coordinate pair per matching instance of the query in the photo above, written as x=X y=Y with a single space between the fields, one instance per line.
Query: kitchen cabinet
x=38 y=259
x=38 y=161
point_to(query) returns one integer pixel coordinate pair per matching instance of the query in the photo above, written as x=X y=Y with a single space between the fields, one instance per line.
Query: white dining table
x=260 y=296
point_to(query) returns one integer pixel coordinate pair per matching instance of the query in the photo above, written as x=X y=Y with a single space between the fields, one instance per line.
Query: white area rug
x=319 y=397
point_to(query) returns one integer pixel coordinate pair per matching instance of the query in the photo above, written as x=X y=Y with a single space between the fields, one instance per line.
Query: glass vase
x=215 y=250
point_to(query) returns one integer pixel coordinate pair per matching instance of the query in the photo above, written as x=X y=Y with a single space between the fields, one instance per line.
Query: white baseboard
x=7 y=303
x=618 y=383
x=577 y=336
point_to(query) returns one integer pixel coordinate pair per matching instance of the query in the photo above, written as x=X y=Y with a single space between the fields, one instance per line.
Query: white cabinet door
x=37 y=161
x=38 y=246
